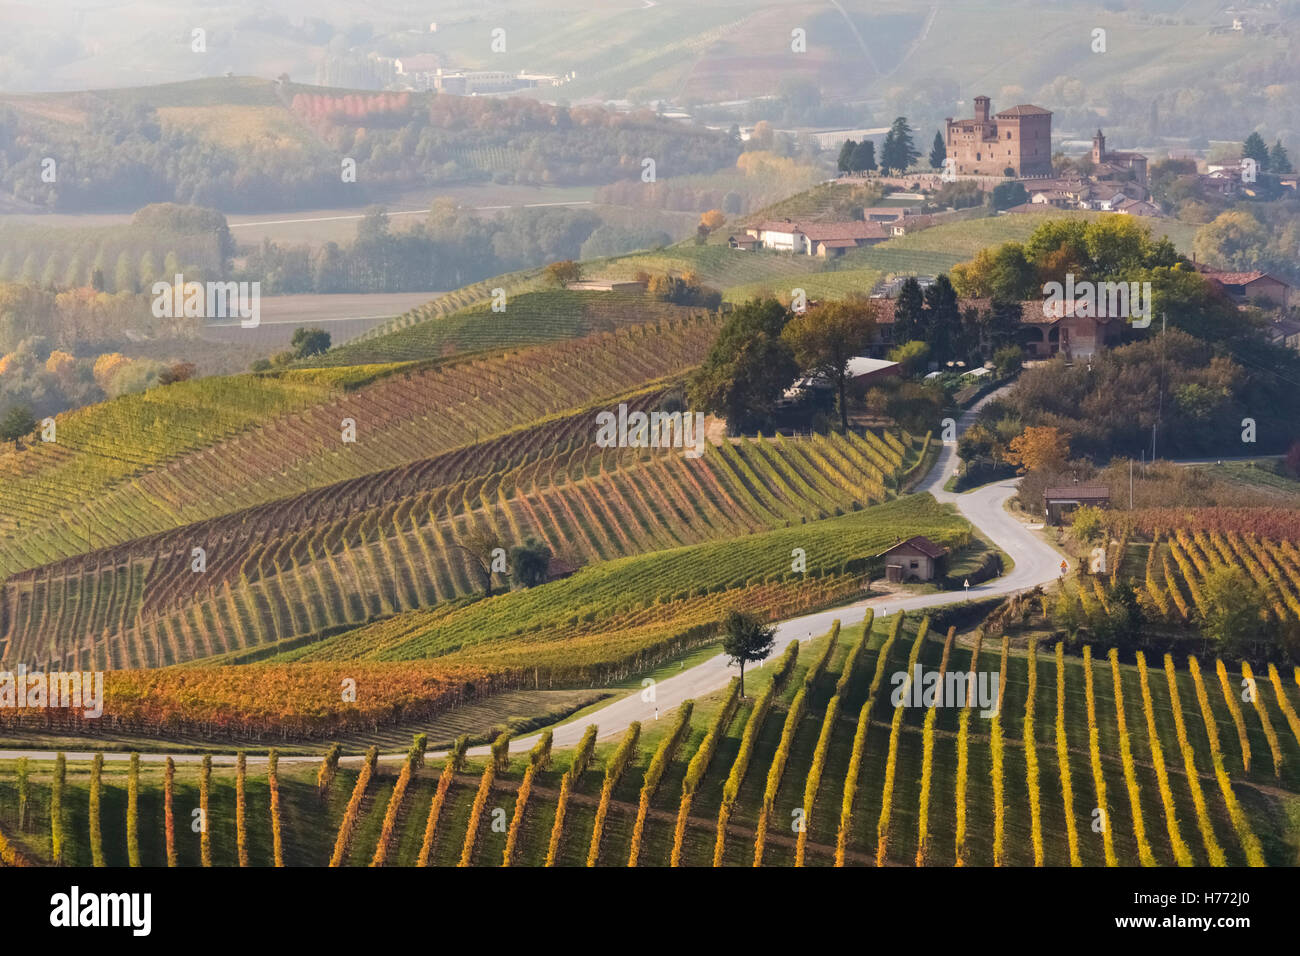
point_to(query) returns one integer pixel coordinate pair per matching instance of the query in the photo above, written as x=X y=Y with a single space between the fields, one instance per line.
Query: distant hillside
x=240 y=144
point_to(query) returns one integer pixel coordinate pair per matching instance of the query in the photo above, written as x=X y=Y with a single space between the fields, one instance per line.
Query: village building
x=1242 y=287
x=824 y=239
x=1136 y=207
x=1061 y=501
x=862 y=373
x=1112 y=165
x=1042 y=336
x=916 y=559
x=1018 y=140
x=1284 y=332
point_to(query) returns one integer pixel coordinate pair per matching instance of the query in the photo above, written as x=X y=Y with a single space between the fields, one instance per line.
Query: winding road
x=1035 y=563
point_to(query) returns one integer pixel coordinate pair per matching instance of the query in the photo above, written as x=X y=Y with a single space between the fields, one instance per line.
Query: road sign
x=1064 y=567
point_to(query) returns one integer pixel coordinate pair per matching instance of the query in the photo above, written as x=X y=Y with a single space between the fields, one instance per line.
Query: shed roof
x=919 y=543
x=1071 y=492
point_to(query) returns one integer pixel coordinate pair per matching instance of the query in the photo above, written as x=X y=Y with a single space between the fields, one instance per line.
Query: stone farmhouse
x=1242 y=287
x=916 y=559
x=823 y=239
x=1018 y=139
x=1042 y=336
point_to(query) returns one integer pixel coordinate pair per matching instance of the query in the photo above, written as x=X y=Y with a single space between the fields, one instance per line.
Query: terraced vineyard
x=102 y=445
x=529 y=318
x=399 y=418
x=303 y=568
x=838 y=284
x=817 y=768
x=715 y=265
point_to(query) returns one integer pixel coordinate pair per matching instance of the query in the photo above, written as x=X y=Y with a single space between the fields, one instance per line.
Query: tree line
x=126 y=156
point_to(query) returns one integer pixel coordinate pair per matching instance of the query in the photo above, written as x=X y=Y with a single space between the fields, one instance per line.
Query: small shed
x=1059 y=502
x=916 y=559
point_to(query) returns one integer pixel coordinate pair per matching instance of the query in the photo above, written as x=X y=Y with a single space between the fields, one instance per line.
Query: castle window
x=1008 y=134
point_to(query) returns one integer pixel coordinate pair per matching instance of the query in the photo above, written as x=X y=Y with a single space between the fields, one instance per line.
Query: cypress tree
x=938 y=151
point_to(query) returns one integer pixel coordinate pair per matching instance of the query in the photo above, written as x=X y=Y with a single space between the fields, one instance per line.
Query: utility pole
x=1160 y=389
x=1130 y=484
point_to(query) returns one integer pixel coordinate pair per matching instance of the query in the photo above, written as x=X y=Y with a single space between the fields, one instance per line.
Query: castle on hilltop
x=1018 y=139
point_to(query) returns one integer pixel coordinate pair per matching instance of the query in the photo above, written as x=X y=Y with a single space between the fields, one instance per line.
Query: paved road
x=1035 y=563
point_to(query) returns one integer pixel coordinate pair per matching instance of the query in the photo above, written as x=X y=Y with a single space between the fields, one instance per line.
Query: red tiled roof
x=1025 y=109
x=1033 y=207
x=776 y=225
x=822 y=231
x=919 y=543
x=1240 y=278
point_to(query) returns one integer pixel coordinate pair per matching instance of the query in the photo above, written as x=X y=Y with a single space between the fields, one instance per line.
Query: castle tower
x=981 y=109
x=1098 y=147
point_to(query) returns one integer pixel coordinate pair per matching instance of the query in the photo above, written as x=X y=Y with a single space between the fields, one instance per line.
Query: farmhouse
x=916 y=559
x=1244 y=286
x=1018 y=139
x=1059 y=502
x=1042 y=336
x=825 y=239
x=1136 y=207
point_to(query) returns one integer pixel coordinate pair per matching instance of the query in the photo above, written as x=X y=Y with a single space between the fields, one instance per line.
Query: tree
x=825 y=338
x=899 y=153
x=1231 y=608
x=864 y=157
x=177 y=372
x=373 y=227
x=748 y=367
x=713 y=219
x=307 y=342
x=1008 y=360
x=1278 y=160
x=746 y=639
x=1039 y=448
x=481 y=545
x=17 y=423
x=1006 y=195
x=1235 y=239
x=943 y=328
x=1255 y=148
x=562 y=273
x=844 y=164
x=530 y=563
x=911 y=357
x=1126 y=613
x=938 y=151
x=909 y=312
x=1087 y=524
